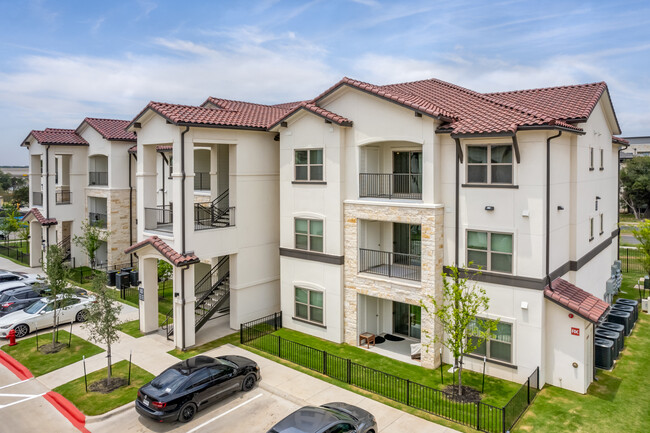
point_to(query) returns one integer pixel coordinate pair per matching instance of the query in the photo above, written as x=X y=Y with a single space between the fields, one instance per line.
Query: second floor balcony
x=160 y=218
x=99 y=178
x=63 y=197
x=390 y=186
x=390 y=264
x=97 y=219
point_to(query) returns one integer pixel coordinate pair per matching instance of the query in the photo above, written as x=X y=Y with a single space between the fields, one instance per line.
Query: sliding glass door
x=407 y=319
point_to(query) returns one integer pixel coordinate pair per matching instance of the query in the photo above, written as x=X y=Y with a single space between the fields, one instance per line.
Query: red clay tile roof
x=174 y=257
x=57 y=136
x=111 y=129
x=575 y=299
x=134 y=149
x=40 y=218
x=619 y=140
x=315 y=109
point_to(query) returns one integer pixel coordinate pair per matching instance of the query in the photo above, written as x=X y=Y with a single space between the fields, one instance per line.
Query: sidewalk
x=8 y=265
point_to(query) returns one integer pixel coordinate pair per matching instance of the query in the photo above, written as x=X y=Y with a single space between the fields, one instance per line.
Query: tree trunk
x=460 y=376
x=54 y=328
x=108 y=357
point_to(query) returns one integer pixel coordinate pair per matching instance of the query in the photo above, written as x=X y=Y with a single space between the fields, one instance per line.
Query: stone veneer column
x=430 y=218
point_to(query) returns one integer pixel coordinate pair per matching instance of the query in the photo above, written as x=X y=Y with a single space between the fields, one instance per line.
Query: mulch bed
x=469 y=395
x=105 y=387
x=51 y=348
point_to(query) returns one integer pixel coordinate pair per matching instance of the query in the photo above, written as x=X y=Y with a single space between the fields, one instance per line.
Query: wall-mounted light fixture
x=489 y=207
x=560 y=208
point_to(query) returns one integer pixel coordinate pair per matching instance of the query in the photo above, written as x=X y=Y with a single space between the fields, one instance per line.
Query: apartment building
x=77 y=175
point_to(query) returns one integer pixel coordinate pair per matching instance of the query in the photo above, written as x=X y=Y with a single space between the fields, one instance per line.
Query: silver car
x=328 y=418
x=40 y=314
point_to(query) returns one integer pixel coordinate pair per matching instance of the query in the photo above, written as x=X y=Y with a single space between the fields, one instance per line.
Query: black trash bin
x=134 y=278
x=126 y=270
x=604 y=356
x=110 y=278
x=614 y=336
x=123 y=280
x=630 y=303
x=622 y=318
x=627 y=309
x=616 y=327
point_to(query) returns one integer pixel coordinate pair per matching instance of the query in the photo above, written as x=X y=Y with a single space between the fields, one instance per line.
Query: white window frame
x=602 y=159
x=309 y=165
x=308 y=304
x=591 y=159
x=591 y=229
x=489 y=164
x=308 y=234
x=489 y=250
x=602 y=224
x=487 y=341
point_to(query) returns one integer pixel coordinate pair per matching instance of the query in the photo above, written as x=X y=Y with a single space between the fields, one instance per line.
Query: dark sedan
x=187 y=387
x=327 y=418
x=17 y=299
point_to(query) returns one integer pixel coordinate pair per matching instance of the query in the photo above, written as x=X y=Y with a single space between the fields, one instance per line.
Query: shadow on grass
x=605 y=388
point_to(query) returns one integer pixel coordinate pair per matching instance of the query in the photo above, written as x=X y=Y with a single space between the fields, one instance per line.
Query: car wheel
x=81 y=316
x=187 y=412
x=21 y=330
x=249 y=382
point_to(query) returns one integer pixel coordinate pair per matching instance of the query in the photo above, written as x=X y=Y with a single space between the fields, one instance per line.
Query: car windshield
x=226 y=362
x=169 y=380
x=4 y=298
x=33 y=309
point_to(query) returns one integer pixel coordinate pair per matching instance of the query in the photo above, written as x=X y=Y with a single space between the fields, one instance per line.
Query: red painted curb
x=16 y=367
x=68 y=410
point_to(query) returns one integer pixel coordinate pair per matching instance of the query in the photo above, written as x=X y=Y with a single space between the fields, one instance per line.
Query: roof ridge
x=536 y=89
x=212 y=98
x=151 y=103
x=105 y=119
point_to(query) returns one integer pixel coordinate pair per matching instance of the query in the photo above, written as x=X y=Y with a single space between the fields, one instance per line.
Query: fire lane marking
x=16 y=383
x=31 y=397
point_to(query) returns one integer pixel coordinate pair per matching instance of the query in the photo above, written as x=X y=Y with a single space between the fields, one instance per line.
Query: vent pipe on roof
x=548 y=206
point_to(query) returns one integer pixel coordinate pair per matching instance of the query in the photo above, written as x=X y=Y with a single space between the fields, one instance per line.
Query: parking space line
x=4 y=406
x=16 y=383
x=225 y=413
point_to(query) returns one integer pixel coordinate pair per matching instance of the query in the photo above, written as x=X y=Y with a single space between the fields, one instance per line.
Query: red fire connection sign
x=575 y=331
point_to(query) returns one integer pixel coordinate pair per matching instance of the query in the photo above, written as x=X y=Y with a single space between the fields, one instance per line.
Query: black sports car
x=327 y=418
x=187 y=387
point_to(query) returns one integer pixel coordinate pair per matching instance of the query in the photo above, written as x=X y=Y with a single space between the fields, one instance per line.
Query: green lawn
x=39 y=363
x=228 y=339
x=132 y=328
x=618 y=402
x=94 y=403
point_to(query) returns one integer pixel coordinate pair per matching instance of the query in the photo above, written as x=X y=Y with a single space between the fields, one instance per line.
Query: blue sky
x=61 y=61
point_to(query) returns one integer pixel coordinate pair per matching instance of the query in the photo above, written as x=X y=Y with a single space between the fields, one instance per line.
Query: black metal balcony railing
x=63 y=197
x=201 y=181
x=98 y=178
x=208 y=216
x=159 y=218
x=385 y=185
x=97 y=219
x=393 y=265
x=37 y=198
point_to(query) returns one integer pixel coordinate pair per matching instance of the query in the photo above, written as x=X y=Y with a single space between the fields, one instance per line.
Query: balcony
x=201 y=181
x=37 y=198
x=391 y=265
x=97 y=219
x=98 y=178
x=160 y=218
x=390 y=186
x=63 y=197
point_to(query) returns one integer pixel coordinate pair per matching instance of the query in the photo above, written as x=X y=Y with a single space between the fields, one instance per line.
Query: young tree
x=56 y=275
x=456 y=312
x=9 y=224
x=103 y=318
x=642 y=233
x=635 y=184
x=90 y=240
x=165 y=271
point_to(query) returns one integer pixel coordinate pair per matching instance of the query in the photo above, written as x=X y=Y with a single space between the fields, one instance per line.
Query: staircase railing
x=202 y=314
x=214 y=214
x=65 y=246
x=168 y=324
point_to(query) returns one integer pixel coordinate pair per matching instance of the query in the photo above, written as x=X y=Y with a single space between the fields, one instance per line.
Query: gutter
x=548 y=205
x=187 y=128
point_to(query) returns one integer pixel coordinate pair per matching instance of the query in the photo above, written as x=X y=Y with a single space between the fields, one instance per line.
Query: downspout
x=618 y=205
x=162 y=166
x=130 y=209
x=47 y=193
x=187 y=128
x=459 y=158
x=548 y=205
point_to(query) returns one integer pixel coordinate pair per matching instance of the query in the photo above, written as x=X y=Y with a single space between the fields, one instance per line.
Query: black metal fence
x=98 y=178
x=159 y=218
x=631 y=259
x=201 y=181
x=388 y=264
x=63 y=197
x=388 y=185
x=481 y=416
x=16 y=249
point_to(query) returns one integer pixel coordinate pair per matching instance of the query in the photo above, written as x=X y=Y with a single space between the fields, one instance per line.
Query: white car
x=39 y=315
x=8 y=285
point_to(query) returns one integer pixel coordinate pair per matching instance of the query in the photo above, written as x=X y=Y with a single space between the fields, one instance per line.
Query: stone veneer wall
x=410 y=292
x=117 y=208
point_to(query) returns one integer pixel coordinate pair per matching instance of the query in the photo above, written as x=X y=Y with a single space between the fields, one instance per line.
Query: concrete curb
x=285 y=395
x=68 y=410
x=110 y=414
x=14 y=366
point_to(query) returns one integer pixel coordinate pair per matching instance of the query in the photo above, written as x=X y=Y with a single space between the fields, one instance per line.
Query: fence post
x=538 y=378
x=408 y=391
x=503 y=419
x=349 y=370
x=478 y=415
x=324 y=363
x=528 y=389
x=241 y=333
x=279 y=345
x=275 y=321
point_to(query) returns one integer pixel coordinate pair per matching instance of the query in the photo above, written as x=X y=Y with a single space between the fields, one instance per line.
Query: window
x=309 y=165
x=591 y=158
x=499 y=346
x=591 y=229
x=309 y=305
x=489 y=164
x=309 y=234
x=341 y=428
x=490 y=251
x=602 y=226
x=602 y=159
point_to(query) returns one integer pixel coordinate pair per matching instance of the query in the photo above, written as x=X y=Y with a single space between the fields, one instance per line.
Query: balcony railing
x=98 y=178
x=209 y=216
x=37 y=198
x=63 y=197
x=385 y=185
x=201 y=181
x=392 y=265
x=159 y=218
x=97 y=219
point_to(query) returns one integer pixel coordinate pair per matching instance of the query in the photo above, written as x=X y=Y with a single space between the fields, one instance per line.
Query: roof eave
x=576 y=312
x=295 y=111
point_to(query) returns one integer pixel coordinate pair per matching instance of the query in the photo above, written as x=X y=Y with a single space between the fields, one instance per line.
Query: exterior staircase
x=215 y=214
x=64 y=245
